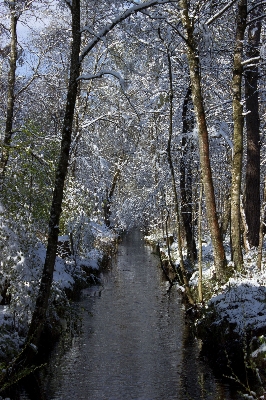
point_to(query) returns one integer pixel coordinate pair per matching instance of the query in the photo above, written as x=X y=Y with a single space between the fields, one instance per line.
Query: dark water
x=135 y=343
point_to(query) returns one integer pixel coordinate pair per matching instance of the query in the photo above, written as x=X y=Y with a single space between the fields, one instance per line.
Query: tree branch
x=256 y=19
x=219 y=13
x=116 y=21
x=34 y=76
x=100 y=74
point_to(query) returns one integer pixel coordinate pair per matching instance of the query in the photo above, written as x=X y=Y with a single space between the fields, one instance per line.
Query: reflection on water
x=134 y=342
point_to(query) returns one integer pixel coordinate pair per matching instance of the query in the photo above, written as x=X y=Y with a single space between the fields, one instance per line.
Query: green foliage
x=30 y=175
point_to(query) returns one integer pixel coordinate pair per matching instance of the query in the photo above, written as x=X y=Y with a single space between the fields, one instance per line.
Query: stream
x=134 y=342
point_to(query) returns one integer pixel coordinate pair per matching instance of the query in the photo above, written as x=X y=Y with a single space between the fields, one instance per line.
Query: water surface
x=135 y=343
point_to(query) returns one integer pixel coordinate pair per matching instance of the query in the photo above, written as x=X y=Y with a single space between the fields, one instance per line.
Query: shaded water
x=135 y=343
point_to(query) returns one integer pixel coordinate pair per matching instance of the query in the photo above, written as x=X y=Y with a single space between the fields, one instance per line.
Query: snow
x=62 y=278
x=100 y=36
x=92 y=259
x=261 y=349
x=3 y=314
x=24 y=269
x=242 y=302
x=63 y=238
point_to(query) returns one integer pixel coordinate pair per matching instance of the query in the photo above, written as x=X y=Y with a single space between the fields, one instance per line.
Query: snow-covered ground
x=240 y=303
x=22 y=275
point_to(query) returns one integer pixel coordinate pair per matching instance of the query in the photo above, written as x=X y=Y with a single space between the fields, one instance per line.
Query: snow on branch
x=250 y=60
x=100 y=74
x=260 y=17
x=219 y=13
x=116 y=21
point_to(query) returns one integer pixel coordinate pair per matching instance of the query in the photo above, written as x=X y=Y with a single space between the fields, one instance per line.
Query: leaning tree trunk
x=10 y=92
x=238 y=120
x=252 y=195
x=39 y=315
x=194 y=67
x=186 y=178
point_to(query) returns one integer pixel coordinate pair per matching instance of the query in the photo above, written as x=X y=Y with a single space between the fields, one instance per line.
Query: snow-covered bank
x=232 y=327
x=20 y=276
x=231 y=321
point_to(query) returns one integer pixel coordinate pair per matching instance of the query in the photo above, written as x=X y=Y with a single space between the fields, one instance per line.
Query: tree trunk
x=39 y=315
x=262 y=226
x=171 y=166
x=200 y=294
x=186 y=179
x=109 y=196
x=238 y=120
x=252 y=195
x=194 y=67
x=10 y=92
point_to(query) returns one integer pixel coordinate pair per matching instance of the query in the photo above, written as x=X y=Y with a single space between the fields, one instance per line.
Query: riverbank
x=73 y=272
x=231 y=319
x=134 y=342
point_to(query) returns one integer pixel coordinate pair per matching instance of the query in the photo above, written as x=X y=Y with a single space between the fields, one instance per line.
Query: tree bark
x=195 y=78
x=252 y=195
x=172 y=171
x=186 y=179
x=108 y=201
x=238 y=120
x=262 y=226
x=10 y=92
x=200 y=294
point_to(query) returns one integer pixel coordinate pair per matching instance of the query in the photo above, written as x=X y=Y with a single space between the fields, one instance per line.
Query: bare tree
x=197 y=97
x=238 y=121
x=251 y=74
x=186 y=177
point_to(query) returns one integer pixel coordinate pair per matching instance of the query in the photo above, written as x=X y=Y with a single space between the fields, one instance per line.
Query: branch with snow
x=116 y=21
x=100 y=74
x=219 y=13
x=250 y=60
x=260 y=18
x=86 y=125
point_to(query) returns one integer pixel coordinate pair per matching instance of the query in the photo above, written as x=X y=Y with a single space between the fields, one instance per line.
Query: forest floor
x=231 y=320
